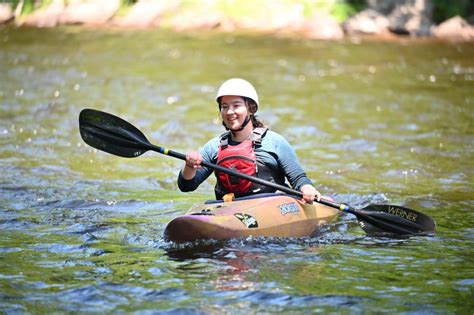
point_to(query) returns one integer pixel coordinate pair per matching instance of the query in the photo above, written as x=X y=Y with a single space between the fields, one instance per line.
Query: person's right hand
x=310 y=193
x=193 y=159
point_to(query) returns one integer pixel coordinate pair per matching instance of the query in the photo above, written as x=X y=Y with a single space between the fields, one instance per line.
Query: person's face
x=233 y=111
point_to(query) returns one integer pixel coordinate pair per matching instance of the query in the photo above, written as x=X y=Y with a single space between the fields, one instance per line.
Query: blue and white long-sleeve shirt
x=275 y=152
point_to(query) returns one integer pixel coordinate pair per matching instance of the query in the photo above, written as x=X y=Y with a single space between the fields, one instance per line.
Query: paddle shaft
x=248 y=177
x=386 y=222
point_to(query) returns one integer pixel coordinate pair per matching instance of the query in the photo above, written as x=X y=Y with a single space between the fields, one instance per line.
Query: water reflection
x=241 y=265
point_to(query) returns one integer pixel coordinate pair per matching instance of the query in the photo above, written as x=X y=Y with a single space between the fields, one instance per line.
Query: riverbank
x=328 y=20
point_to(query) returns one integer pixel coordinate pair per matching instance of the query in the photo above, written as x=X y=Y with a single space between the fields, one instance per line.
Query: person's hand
x=310 y=193
x=193 y=160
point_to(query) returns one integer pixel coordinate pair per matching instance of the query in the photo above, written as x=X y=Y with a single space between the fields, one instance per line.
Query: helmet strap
x=246 y=122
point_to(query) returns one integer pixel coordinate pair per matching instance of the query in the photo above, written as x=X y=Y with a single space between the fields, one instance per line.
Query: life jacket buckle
x=228 y=197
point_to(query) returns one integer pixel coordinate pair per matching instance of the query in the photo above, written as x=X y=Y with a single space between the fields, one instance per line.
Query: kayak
x=267 y=215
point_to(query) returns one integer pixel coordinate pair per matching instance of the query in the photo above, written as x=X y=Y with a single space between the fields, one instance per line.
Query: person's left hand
x=310 y=193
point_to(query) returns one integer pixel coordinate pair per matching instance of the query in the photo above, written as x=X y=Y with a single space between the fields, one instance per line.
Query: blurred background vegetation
x=445 y=9
x=339 y=9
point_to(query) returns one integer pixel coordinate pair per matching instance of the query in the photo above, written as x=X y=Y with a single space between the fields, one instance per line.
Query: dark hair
x=252 y=106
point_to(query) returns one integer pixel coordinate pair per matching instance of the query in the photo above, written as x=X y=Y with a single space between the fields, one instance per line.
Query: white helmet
x=238 y=87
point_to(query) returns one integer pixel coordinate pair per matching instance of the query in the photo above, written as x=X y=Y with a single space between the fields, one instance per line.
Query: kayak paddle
x=114 y=135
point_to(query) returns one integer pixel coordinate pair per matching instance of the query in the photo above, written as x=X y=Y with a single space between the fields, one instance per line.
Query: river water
x=372 y=122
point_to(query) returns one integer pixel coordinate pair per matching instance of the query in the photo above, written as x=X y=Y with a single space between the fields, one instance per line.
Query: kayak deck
x=267 y=215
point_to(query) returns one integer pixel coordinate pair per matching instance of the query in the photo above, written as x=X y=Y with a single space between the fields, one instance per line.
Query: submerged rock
x=47 y=17
x=455 y=28
x=385 y=7
x=367 y=22
x=412 y=18
x=6 y=12
x=198 y=18
x=273 y=17
x=322 y=26
x=89 y=12
x=147 y=13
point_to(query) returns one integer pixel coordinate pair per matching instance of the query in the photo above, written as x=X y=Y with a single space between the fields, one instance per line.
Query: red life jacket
x=241 y=158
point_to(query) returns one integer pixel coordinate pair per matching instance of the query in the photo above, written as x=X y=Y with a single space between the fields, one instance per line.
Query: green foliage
x=14 y=2
x=238 y=11
x=445 y=9
x=28 y=5
x=342 y=10
x=128 y=2
x=125 y=6
x=339 y=9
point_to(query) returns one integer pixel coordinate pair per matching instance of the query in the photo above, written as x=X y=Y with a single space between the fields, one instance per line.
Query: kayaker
x=247 y=146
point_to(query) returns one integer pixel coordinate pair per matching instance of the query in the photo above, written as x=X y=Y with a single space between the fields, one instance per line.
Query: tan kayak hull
x=270 y=215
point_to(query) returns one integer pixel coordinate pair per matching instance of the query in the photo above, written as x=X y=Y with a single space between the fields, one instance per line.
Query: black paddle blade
x=111 y=134
x=388 y=219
